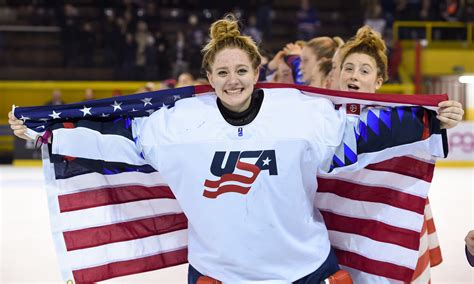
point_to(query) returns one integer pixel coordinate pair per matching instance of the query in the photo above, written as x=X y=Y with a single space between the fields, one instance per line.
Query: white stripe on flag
x=431 y=145
x=428 y=212
x=424 y=277
x=362 y=277
x=432 y=240
x=109 y=147
x=369 y=210
x=423 y=243
x=384 y=179
x=94 y=181
x=372 y=249
x=111 y=214
x=128 y=250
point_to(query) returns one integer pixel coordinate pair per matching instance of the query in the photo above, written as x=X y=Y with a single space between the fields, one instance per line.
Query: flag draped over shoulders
x=118 y=216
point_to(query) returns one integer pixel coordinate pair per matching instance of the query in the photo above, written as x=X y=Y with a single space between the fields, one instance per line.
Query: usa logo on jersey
x=229 y=180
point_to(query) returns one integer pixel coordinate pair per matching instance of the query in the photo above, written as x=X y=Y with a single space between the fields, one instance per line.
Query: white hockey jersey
x=248 y=190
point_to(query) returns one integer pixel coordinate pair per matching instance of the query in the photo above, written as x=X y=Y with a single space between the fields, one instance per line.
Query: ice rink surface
x=27 y=252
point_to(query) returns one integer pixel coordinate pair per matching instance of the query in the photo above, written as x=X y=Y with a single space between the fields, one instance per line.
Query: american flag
x=111 y=219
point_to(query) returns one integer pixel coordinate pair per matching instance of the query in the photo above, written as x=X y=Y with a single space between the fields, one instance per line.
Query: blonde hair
x=339 y=41
x=225 y=33
x=325 y=66
x=369 y=42
x=300 y=43
x=324 y=47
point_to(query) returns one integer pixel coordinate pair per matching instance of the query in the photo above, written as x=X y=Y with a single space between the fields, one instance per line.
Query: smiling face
x=359 y=74
x=233 y=78
x=309 y=62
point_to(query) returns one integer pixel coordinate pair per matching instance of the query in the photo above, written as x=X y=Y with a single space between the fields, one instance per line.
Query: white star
x=150 y=111
x=267 y=161
x=44 y=119
x=105 y=115
x=133 y=110
x=55 y=115
x=176 y=97
x=165 y=106
x=24 y=118
x=147 y=101
x=40 y=127
x=86 y=111
x=116 y=106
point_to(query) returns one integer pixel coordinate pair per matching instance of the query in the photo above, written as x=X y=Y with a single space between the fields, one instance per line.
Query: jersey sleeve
x=110 y=141
x=143 y=137
x=151 y=133
x=381 y=133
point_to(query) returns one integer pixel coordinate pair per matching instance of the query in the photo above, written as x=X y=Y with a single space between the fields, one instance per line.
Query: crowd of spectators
x=132 y=37
x=140 y=42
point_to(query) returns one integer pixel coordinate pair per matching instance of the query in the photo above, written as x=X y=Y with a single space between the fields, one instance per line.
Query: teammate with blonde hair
x=364 y=69
x=334 y=73
x=316 y=58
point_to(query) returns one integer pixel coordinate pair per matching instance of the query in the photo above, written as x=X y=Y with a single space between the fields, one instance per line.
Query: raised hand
x=292 y=49
x=19 y=129
x=450 y=113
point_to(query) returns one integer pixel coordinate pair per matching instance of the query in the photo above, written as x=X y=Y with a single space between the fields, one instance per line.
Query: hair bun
x=370 y=42
x=227 y=27
x=372 y=38
x=225 y=33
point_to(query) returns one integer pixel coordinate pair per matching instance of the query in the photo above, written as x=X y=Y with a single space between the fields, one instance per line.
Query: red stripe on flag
x=380 y=268
x=91 y=237
x=422 y=100
x=372 y=194
x=68 y=125
x=406 y=166
x=430 y=226
x=372 y=229
x=109 y=196
x=422 y=264
x=133 y=266
x=199 y=89
x=435 y=256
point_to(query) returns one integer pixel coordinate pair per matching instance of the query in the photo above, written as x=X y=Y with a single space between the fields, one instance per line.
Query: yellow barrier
x=439 y=57
x=428 y=26
x=27 y=163
x=6 y=143
x=454 y=164
x=469 y=114
x=439 y=62
x=405 y=88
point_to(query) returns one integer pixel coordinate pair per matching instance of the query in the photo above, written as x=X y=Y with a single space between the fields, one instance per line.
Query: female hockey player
x=316 y=58
x=271 y=140
x=361 y=66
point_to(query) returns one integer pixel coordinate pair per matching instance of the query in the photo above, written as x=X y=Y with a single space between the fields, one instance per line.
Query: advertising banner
x=461 y=145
